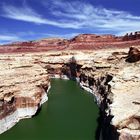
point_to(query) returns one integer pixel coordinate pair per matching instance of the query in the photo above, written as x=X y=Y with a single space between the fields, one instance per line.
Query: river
x=69 y=114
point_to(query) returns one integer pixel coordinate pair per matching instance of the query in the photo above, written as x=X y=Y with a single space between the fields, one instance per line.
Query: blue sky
x=34 y=19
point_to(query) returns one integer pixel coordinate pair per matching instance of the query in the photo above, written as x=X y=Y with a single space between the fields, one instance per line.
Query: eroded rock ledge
x=23 y=88
x=107 y=74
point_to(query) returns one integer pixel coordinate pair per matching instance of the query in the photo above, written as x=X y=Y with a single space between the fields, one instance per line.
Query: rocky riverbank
x=23 y=88
x=112 y=75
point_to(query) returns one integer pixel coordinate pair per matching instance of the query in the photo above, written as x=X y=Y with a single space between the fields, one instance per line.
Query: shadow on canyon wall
x=133 y=55
x=70 y=69
x=105 y=131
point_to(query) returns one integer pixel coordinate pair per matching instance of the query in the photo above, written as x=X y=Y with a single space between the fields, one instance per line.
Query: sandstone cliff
x=23 y=88
x=114 y=82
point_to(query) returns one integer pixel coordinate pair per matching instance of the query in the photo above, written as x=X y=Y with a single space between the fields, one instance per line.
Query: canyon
x=105 y=65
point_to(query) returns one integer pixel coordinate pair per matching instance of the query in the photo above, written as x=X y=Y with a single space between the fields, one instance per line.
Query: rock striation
x=23 y=87
x=80 y=42
x=111 y=74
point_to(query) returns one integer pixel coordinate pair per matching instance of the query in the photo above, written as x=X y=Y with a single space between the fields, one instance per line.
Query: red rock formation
x=80 y=42
x=90 y=42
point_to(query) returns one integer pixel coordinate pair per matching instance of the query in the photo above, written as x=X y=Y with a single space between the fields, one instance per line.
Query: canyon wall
x=112 y=79
x=23 y=87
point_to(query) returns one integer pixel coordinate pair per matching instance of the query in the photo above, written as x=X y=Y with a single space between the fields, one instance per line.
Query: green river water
x=69 y=114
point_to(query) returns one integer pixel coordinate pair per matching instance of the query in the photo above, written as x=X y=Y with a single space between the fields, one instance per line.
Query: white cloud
x=22 y=13
x=4 y=39
x=8 y=38
x=76 y=15
x=27 y=14
x=99 y=18
x=67 y=36
x=22 y=36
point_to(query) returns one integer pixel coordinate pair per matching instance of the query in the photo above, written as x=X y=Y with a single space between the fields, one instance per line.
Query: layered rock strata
x=80 y=42
x=106 y=73
x=23 y=87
